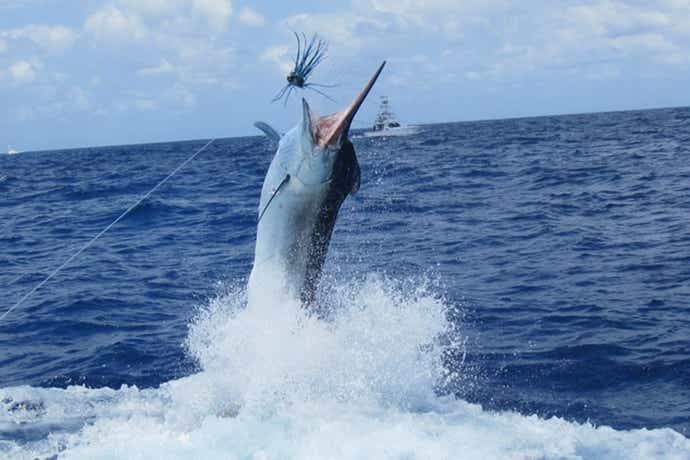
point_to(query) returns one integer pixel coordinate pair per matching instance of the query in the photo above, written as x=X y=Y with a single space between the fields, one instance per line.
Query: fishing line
x=102 y=232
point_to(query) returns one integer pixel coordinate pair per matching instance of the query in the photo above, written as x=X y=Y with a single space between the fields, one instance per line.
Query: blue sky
x=83 y=73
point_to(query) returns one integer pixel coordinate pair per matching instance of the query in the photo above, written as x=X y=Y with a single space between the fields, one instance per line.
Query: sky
x=102 y=72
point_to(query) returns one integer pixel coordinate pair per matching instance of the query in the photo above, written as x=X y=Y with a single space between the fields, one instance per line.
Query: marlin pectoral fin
x=271 y=133
x=275 y=192
x=356 y=177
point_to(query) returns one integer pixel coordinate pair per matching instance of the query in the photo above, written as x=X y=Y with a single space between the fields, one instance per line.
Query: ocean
x=509 y=289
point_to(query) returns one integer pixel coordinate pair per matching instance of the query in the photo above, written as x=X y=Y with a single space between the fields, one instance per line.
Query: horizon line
x=522 y=117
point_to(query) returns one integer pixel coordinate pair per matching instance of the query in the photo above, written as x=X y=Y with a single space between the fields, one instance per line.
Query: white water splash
x=279 y=384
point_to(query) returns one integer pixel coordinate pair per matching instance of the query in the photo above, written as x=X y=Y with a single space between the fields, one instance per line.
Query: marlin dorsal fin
x=271 y=133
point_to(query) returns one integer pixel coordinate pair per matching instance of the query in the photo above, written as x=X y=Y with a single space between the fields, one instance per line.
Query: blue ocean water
x=504 y=287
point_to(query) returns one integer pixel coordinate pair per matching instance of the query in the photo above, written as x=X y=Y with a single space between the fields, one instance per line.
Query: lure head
x=295 y=79
x=319 y=140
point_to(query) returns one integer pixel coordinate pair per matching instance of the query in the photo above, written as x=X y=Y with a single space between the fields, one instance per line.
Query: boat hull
x=390 y=132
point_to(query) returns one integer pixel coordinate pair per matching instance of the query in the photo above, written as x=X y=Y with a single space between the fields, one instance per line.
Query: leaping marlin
x=313 y=171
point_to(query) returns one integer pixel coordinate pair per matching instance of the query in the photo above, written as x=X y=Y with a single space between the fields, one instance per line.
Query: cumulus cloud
x=58 y=99
x=391 y=26
x=180 y=96
x=410 y=10
x=216 y=12
x=150 y=7
x=163 y=67
x=23 y=72
x=501 y=41
x=617 y=29
x=213 y=14
x=443 y=15
x=252 y=18
x=185 y=44
x=617 y=17
x=279 y=55
x=49 y=37
x=350 y=30
x=188 y=32
x=203 y=63
x=173 y=98
x=113 y=24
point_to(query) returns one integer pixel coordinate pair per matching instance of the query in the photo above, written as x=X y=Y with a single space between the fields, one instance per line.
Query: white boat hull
x=390 y=132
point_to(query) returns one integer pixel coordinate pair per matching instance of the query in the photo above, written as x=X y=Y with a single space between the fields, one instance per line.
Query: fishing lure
x=309 y=55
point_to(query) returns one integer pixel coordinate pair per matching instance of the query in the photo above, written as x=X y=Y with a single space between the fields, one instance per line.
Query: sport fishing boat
x=386 y=124
x=11 y=151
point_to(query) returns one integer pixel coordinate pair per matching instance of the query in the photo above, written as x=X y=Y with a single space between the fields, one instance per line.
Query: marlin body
x=313 y=171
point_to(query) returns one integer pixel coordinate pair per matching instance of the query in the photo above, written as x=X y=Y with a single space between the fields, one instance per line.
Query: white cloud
x=653 y=42
x=150 y=7
x=52 y=38
x=181 y=13
x=617 y=17
x=175 y=97
x=349 y=30
x=617 y=30
x=112 y=24
x=252 y=18
x=179 y=95
x=55 y=100
x=392 y=25
x=204 y=62
x=163 y=67
x=430 y=13
x=474 y=39
x=186 y=32
x=594 y=39
x=23 y=72
x=216 y=12
x=3 y=45
x=279 y=55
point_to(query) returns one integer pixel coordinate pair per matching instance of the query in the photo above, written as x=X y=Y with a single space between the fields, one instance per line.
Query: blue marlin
x=313 y=171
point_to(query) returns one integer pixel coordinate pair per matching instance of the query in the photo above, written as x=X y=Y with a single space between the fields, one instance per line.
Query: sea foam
x=277 y=383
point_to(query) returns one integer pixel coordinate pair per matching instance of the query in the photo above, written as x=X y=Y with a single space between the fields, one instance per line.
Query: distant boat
x=386 y=124
x=11 y=151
